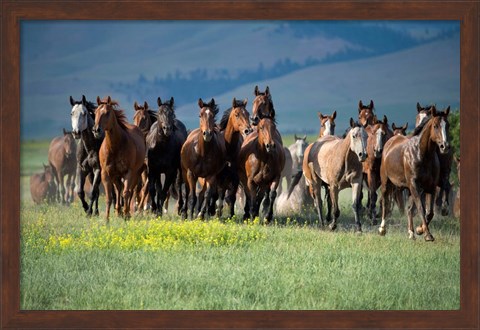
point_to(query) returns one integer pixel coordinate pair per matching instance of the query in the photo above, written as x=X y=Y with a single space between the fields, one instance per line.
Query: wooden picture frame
x=13 y=12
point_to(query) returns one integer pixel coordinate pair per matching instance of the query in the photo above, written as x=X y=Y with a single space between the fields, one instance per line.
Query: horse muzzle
x=362 y=156
x=247 y=131
x=269 y=147
x=444 y=147
x=255 y=120
x=207 y=136
x=97 y=132
x=378 y=153
x=76 y=134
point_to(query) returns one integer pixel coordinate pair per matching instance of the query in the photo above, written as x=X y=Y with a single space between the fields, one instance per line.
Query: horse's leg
x=79 y=189
x=209 y=191
x=108 y=187
x=192 y=198
x=423 y=229
x=385 y=200
x=356 y=204
x=178 y=185
x=221 y=191
x=317 y=194
x=129 y=182
x=169 y=179
x=201 y=196
x=231 y=197
x=95 y=191
x=153 y=177
x=266 y=204
x=410 y=215
x=117 y=184
x=429 y=206
x=336 y=211
x=61 y=186
x=273 y=196
x=373 y=186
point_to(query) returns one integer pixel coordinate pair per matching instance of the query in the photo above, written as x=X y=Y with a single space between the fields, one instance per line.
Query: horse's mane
x=215 y=109
x=153 y=115
x=417 y=130
x=224 y=120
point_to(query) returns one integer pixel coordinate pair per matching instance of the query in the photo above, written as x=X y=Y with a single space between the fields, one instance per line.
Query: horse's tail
x=295 y=181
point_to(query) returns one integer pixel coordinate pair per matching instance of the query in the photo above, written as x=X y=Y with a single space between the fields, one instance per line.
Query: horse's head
x=439 y=130
x=69 y=144
x=379 y=130
x=262 y=106
x=48 y=174
x=300 y=146
x=327 y=124
x=365 y=113
x=402 y=130
x=79 y=116
x=238 y=117
x=423 y=113
x=358 y=140
x=166 y=117
x=141 y=118
x=208 y=111
x=266 y=133
x=104 y=116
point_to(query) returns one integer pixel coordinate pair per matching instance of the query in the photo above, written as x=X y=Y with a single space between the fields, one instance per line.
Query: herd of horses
x=142 y=165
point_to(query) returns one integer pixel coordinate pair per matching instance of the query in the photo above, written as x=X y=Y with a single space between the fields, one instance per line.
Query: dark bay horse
x=327 y=124
x=378 y=133
x=260 y=164
x=262 y=106
x=121 y=155
x=411 y=162
x=164 y=142
x=88 y=163
x=444 y=185
x=61 y=157
x=337 y=162
x=203 y=155
x=235 y=126
x=42 y=186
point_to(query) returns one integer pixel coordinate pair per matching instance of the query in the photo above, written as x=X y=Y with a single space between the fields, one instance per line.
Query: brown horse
x=378 y=134
x=203 y=155
x=235 y=126
x=337 y=162
x=444 y=185
x=122 y=154
x=411 y=162
x=42 y=186
x=365 y=113
x=327 y=124
x=62 y=158
x=144 y=117
x=456 y=203
x=402 y=130
x=260 y=164
x=262 y=106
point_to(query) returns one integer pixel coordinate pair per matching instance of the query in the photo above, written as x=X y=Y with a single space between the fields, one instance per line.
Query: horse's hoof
x=419 y=230
x=382 y=231
x=411 y=235
x=429 y=238
x=332 y=226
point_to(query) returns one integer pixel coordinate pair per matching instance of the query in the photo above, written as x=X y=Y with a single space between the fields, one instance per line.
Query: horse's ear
x=212 y=102
x=374 y=120
x=145 y=105
x=385 y=120
x=65 y=132
x=447 y=111
x=352 y=122
x=334 y=114
x=98 y=100
x=419 y=107
x=245 y=101
x=360 y=106
x=295 y=137
x=267 y=91
x=172 y=101
x=319 y=114
x=405 y=127
x=371 y=104
x=72 y=102
x=394 y=127
x=234 y=102
x=200 y=103
x=135 y=106
x=304 y=137
x=255 y=91
x=84 y=100
x=109 y=100
x=433 y=110
x=159 y=101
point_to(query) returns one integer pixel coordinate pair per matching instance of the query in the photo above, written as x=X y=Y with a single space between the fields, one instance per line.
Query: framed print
x=313 y=42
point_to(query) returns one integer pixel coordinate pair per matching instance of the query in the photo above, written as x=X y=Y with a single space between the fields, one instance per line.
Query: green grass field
x=71 y=262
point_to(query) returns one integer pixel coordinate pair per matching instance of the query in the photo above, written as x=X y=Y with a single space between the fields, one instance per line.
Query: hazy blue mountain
x=310 y=67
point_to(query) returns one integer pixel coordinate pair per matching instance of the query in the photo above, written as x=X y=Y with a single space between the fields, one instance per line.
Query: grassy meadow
x=69 y=261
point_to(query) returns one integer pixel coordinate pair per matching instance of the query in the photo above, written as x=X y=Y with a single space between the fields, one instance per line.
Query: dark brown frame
x=13 y=11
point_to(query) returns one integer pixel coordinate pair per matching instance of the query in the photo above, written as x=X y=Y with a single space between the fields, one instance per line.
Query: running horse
x=122 y=154
x=164 y=142
x=61 y=157
x=337 y=162
x=260 y=164
x=144 y=117
x=444 y=185
x=203 y=155
x=42 y=186
x=88 y=163
x=412 y=162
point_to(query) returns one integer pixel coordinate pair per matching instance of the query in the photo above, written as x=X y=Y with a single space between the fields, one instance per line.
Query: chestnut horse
x=164 y=142
x=62 y=158
x=337 y=162
x=235 y=126
x=203 y=155
x=122 y=154
x=327 y=124
x=365 y=113
x=88 y=163
x=42 y=186
x=378 y=134
x=411 y=162
x=260 y=164
x=402 y=130
x=444 y=185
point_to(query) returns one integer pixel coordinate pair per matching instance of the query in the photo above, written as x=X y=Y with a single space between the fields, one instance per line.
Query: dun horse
x=61 y=157
x=260 y=164
x=121 y=155
x=42 y=186
x=202 y=156
x=88 y=163
x=164 y=142
x=411 y=162
x=337 y=163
